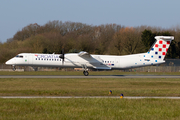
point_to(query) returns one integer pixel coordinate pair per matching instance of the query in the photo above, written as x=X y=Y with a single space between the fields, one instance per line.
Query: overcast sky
x=16 y=14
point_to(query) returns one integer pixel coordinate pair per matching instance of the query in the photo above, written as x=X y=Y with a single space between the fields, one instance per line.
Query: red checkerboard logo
x=168 y=42
x=160 y=42
x=164 y=46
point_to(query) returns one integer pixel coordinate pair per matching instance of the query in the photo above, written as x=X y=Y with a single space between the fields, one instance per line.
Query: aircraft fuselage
x=72 y=60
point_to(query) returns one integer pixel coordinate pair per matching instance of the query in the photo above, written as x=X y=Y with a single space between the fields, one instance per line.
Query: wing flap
x=103 y=68
x=97 y=64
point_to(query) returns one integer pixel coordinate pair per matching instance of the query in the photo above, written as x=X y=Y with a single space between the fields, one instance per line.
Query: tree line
x=108 y=39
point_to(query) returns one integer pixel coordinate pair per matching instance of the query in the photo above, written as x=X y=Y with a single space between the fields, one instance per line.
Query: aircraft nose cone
x=9 y=62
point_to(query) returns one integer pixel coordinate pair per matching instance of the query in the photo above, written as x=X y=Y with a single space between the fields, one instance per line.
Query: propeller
x=62 y=56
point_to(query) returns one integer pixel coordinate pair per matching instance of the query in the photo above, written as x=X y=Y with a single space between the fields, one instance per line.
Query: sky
x=16 y=14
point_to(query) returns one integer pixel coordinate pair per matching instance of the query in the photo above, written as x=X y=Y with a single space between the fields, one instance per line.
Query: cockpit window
x=19 y=56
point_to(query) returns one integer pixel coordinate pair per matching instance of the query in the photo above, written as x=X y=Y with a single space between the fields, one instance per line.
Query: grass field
x=89 y=87
x=90 y=109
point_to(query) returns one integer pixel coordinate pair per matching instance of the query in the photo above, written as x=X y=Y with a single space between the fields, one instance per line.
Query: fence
x=158 y=69
x=161 y=68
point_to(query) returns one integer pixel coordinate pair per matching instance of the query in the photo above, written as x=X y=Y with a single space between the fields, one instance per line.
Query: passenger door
x=30 y=59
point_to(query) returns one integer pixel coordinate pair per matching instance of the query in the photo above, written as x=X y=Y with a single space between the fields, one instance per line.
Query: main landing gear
x=85 y=72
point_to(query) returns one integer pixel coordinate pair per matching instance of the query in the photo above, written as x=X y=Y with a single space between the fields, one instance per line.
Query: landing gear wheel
x=86 y=73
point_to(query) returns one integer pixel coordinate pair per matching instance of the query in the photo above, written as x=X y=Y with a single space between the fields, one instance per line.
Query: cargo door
x=117 y=62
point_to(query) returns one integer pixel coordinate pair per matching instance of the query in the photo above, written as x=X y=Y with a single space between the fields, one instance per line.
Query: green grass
x=113 y=72
x=90 y=109
x=89 y=87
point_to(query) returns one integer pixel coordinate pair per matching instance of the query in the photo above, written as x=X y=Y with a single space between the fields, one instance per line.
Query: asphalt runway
x=67 y=97
x=90 y=76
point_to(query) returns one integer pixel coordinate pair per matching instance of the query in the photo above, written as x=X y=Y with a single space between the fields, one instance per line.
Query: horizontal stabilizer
x=164 y=37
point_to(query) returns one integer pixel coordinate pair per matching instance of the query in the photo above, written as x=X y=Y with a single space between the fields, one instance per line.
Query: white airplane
x=84 y=60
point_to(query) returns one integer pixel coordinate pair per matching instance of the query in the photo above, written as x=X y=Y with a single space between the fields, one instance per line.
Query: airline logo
x=160 y=49
x=47 y=56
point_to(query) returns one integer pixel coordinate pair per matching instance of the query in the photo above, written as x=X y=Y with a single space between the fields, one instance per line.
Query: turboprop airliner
x=84 y=60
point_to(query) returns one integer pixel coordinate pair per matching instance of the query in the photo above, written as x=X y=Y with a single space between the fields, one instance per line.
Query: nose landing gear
x=13 y=68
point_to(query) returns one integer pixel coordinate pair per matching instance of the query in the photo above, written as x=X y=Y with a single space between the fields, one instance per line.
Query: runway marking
x=93 y=76
x=68 y=97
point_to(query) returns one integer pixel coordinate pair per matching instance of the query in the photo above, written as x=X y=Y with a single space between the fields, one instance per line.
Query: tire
x=86 y=73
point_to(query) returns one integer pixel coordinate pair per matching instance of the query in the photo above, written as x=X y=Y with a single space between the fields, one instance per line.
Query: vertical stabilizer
x=159 y=49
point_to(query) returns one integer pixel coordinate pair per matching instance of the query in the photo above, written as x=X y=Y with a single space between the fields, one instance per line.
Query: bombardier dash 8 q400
x=84 y=60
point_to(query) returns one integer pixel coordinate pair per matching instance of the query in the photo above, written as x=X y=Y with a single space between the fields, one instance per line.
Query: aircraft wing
x=96 y=63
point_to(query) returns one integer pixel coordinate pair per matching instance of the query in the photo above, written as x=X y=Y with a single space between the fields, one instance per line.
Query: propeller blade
x=62 y=56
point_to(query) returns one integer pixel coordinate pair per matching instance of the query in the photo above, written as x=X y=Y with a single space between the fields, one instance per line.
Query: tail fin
x=159 y=48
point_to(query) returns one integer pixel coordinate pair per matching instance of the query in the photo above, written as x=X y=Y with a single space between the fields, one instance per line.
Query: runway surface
x=91 y=76
x=67 y=97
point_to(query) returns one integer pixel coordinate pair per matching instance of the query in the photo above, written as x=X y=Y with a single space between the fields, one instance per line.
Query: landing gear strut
x=85 y=72
x=13 y=68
